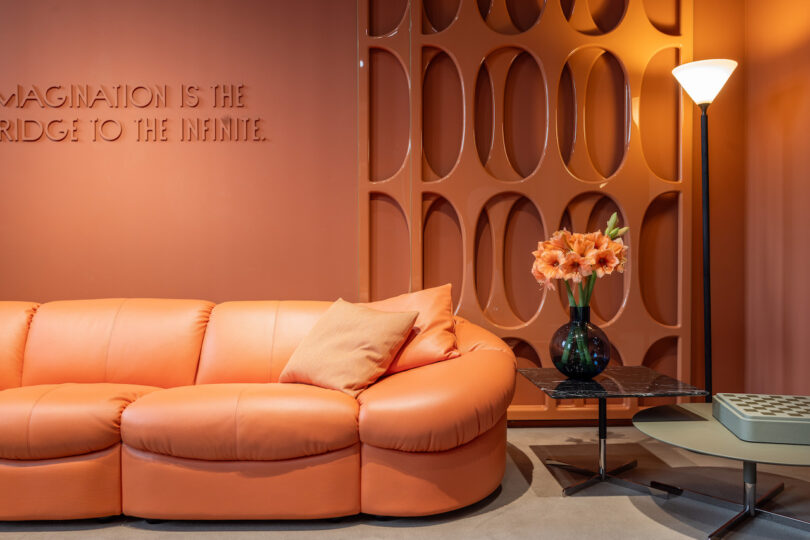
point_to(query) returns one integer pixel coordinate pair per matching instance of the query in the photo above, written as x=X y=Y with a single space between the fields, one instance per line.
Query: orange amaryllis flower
x=575 y=267
x=581 y=244
x=549 y=262
x=541 y=277
x=620 y=250
x=603 y=262
x=600 y=241
x=560 y=240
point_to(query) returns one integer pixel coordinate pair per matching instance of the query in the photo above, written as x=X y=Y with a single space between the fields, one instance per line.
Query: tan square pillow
x=348 y=348
x=434 y=337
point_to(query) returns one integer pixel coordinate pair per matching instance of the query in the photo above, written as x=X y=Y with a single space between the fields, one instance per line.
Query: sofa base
x=164 y=487
x=395 y=483
x=76 y=487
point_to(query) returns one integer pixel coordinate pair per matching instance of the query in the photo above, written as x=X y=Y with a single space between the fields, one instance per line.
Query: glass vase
x=579 y=349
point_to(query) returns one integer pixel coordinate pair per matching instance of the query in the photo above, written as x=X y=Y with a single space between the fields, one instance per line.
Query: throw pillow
x=433 y=338
x=348 y=348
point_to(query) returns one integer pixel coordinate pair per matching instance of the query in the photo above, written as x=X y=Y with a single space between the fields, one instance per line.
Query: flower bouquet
x=579 y=349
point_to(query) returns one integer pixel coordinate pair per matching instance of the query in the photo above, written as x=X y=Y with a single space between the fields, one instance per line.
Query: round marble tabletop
x=692 y=426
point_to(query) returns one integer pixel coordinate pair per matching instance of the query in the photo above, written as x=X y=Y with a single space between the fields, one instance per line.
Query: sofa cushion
x=348 y=348
x=15 y=318
x=146 y=341
x=62 y=420
x=251 y=341
x=433 y=338
x=248 y=422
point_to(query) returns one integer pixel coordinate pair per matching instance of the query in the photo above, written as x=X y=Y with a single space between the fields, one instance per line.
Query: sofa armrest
x=439 y=406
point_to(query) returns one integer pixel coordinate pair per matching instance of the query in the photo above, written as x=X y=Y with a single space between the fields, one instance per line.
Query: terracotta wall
x=777 y=49
x=274 y=218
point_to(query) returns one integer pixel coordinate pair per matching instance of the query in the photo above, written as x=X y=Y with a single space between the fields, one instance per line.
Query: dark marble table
x=614 y=382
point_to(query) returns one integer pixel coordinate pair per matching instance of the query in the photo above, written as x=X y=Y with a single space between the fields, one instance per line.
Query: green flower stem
x=589 y=289
x=581 y=345
x=581 y=295
x=571 y=301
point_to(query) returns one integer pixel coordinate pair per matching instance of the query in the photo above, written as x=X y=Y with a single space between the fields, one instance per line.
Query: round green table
x=691 y=426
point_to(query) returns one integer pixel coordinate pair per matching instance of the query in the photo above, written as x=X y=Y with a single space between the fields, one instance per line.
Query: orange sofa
x=170 y=409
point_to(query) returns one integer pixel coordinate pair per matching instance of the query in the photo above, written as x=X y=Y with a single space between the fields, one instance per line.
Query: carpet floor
x=529 y=503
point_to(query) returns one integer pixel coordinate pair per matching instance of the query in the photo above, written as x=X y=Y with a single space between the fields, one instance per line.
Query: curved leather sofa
x=171 y=409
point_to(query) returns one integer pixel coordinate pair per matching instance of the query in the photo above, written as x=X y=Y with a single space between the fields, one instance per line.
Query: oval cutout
x=566 y=115
x=389 y=115
x=589 y=212
x=442 y=249
x=484 y=119
x=511 y=17
x=389 y=248
x=524 y=228
x=665 y=15
x=609 y=293
x=659 y=116
x=484 y=260
x=438 y=15
x=594 y=17
x=525 y=13
x=662 y=357
x=607 y=116
x=442 y=115
x=525 y=114
x=384 y=16
x=659 y=258
x=607 y=14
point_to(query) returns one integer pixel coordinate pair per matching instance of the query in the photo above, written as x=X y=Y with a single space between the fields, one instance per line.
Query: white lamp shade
x=703 y=79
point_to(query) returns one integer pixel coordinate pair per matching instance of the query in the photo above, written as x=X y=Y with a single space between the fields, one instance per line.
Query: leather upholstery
x=134 y=341
x=241 y=422
x=472 y=337
x=251 y=341
x=54 y=421
x=77 y=487
x=394 y=483
x=163 y=487
x=457 y=400
x=15 y=318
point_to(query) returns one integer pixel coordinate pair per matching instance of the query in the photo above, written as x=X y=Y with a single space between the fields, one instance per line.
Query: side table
x=614 y=382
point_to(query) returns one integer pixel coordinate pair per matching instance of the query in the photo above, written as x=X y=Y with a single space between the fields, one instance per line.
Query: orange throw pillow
x=348 y=348
x=433 y=338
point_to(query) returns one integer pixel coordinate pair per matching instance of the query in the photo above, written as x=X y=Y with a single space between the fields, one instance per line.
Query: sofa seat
x=241 y=422
x=52 y=421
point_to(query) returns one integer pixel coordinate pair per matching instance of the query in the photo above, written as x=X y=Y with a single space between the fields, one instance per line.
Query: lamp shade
x=703 y=79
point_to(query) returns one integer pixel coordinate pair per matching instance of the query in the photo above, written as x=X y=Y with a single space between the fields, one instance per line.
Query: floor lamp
x=702 y=80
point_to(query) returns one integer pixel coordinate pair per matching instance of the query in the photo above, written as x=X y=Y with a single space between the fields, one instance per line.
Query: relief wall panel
x=525 y=116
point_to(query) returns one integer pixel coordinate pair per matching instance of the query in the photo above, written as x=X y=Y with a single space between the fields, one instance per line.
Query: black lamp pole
x=707 y=289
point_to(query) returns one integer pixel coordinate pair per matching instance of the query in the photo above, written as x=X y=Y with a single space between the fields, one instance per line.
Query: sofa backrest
x=15 y=318
x=135 y=341
x=252 y=341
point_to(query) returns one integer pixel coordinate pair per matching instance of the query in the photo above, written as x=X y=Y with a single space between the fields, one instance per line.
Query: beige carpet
x=529 y=503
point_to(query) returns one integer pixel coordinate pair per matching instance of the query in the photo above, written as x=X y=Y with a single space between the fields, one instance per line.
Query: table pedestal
x=594 y=477
x=750 y=508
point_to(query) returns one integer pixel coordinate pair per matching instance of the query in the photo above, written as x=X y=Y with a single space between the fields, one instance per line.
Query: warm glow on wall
x=703 y=79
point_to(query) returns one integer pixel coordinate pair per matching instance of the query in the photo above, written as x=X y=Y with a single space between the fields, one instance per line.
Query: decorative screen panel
x=487 y=125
